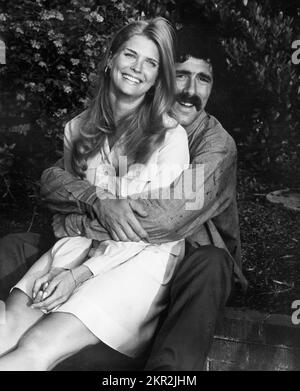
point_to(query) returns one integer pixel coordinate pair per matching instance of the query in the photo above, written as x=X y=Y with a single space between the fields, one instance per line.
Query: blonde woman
x=110 y=291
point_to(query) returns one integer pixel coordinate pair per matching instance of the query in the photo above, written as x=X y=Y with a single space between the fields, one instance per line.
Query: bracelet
x=71 y=271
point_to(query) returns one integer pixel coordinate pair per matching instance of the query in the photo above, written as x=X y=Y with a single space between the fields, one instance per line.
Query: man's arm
x=203 y=192
x=167 y=219
x=77 y=200
x=64 y=194
x=202 y=198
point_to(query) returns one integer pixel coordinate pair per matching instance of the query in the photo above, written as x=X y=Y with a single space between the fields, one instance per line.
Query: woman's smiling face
x=134 y=68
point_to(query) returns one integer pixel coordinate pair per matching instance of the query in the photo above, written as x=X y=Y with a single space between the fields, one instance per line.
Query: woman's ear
x=109 y=60
x=108 y=66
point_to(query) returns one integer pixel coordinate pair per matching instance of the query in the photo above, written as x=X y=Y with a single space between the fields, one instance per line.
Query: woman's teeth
x=131 y=79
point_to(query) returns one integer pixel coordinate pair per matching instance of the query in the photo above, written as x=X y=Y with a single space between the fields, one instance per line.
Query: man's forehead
x=195 y=65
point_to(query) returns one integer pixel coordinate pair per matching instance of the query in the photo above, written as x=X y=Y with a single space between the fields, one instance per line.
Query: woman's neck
x=122 y=104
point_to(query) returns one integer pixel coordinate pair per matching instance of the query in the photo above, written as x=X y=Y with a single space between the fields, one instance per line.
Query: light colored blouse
x=164 y=166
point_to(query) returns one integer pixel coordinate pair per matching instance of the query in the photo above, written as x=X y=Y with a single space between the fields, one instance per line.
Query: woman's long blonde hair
x=144 y=127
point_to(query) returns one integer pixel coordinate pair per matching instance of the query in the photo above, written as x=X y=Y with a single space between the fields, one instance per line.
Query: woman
x=113 y=292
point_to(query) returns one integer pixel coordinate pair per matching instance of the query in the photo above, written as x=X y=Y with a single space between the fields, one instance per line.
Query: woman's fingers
x=47 y=296
x=56 y=303
x=57 y=292
x=50 y=288
x=38 y=297
x=38 y=285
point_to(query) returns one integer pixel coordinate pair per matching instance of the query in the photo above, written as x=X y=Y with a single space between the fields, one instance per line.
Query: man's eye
x=180 y=77
x=204 y=79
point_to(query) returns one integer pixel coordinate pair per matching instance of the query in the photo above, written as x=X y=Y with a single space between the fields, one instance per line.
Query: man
x=205 y=214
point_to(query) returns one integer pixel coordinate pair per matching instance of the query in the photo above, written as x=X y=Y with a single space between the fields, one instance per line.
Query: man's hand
x=58 y=225
x=117 y=216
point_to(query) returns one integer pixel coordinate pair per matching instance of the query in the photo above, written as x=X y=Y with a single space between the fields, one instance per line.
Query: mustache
x=192 y=99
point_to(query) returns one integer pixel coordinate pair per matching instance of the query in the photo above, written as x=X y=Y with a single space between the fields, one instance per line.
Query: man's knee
x=21 y=248
x=18 y=239
x=10 y=247
x=17 y=253
x=217 y=258
x=211 y=260
x=10 y=240
x=11 y=244
x=206 y=266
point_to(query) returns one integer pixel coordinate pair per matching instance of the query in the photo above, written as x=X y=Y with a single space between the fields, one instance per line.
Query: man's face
x=194 y=81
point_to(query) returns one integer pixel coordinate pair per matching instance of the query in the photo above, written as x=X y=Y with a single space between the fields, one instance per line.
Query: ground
x=270 y=236
x=270 y=240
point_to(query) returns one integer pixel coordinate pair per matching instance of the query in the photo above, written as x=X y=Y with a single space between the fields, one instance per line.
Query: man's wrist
x=96 y=208
x=98 y=203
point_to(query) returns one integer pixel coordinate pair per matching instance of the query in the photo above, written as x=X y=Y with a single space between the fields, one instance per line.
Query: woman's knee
x=34 y=344
x=18 y=316
x=10 y=332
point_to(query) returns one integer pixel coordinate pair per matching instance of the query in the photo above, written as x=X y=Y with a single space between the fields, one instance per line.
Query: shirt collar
x=197 y=126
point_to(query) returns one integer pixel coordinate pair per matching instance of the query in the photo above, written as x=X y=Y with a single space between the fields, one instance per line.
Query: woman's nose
x=137 y=66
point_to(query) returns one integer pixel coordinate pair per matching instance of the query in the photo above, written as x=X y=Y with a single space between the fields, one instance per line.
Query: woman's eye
x=152 y=63
x=128 y=54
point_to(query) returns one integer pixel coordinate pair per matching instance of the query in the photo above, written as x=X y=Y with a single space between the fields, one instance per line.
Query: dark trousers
x=198 y=294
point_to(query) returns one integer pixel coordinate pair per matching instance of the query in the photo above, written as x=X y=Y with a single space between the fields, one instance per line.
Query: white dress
x=122 y=301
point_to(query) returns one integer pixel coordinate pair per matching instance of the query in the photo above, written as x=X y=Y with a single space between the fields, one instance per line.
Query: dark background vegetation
x=52 y=52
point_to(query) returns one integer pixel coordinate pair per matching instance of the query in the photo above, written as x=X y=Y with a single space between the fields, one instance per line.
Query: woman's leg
x=18 y=318
x=18 y=252
x=54 y=338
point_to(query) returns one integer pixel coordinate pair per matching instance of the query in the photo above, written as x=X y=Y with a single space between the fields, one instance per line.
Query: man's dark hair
x=201 y=43
x=204 y=44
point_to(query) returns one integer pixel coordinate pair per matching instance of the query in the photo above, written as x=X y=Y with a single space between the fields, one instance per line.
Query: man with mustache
x=205 y=214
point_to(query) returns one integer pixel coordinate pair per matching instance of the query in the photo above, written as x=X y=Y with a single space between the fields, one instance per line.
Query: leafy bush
x=264 y=107
x=53 y=48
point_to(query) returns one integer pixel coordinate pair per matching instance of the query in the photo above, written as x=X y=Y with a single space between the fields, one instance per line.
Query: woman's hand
x=58 y=225
x=53 y=289
x=57 y=286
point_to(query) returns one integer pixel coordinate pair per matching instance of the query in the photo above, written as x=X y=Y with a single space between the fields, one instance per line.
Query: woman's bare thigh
x=57 y=336
x=18 y=317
